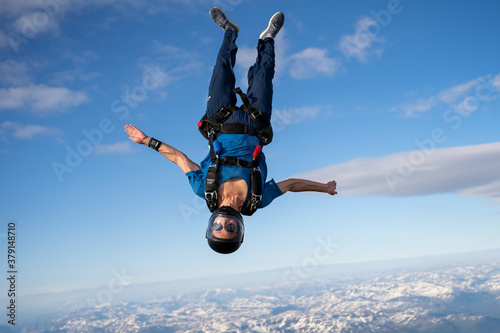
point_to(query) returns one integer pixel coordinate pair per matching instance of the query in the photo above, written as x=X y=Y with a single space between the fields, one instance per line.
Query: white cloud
x=466 y=170
x=31 y=24
x=312 y=62
x=40 y=98
x=119 y=147
x=171 y=63
x=72 y=75
x=414 y=109
x=451 y=95
x=282 y=44
x=81 y=58
x=294 y=115
x=19 y=73
x=21 y=131
x=25 y=20
x=464 y=98
x=491 y=190
x=245 y=57
x=20 y=93
x=79 y=73
x=496 y=82
x=364 y=43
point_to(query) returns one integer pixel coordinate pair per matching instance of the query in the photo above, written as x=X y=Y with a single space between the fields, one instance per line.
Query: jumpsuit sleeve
x=270 y=192
x=197 y=182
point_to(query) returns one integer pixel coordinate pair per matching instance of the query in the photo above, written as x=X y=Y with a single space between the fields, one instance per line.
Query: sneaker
x=275 y=24
x=222 y=21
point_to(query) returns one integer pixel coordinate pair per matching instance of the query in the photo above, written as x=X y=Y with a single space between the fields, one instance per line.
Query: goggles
x=230 y=227
x=226 y=218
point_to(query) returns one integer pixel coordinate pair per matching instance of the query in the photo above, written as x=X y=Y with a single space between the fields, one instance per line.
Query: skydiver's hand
x=331 y=187
x=136 y=135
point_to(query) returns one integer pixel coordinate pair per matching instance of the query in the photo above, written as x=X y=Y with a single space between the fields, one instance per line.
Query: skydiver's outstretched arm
x=302 y=185
x=169 y=152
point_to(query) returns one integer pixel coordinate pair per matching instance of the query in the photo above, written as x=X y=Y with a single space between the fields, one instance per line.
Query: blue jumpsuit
x=221 y=94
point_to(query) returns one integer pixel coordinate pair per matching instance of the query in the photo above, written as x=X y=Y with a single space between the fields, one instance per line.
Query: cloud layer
x=40 y=98
x=467 y=170
x=22 y=131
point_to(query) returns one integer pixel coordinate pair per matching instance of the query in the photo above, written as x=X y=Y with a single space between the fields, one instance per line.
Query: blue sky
x=396 y=100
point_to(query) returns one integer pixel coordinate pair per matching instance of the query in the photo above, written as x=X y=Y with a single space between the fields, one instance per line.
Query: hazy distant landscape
x=462 y=295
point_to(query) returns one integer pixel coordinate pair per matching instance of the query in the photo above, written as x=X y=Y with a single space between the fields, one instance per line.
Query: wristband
x=155 y=144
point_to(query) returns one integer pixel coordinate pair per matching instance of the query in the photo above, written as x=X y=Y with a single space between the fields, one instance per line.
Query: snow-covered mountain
x=459 y=298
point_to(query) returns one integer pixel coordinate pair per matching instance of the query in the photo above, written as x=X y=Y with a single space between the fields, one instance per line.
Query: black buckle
x=255 y=113
x=211 y=196
x=224 y=112
x=212 y=130
x=256 y=198
x=255 y=202
x=211 y=199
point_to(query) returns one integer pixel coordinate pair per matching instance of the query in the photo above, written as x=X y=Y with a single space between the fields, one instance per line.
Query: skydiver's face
x=225 y=228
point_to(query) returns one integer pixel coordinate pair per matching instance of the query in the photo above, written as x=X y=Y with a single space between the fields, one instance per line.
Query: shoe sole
x=228 y=20
x=265 y=32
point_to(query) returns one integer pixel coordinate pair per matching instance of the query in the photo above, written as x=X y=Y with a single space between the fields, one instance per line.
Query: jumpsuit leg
x=220 y=91
x=260 y=78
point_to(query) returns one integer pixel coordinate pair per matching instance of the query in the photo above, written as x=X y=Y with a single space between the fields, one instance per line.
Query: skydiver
x=232 y=177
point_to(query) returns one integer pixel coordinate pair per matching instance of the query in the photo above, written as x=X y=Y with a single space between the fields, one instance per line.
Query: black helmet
x=225 y=230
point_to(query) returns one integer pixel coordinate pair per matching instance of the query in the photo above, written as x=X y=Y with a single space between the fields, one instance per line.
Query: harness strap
x=222 y=115
x=255 y=114
x=209 y=125
x=215 y=124
x=255 y=190
x=211 y=187
x=235 y=128
x=234 y=161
